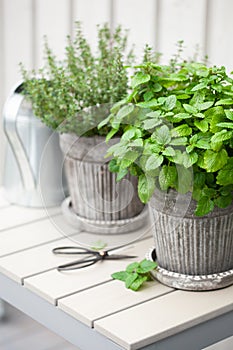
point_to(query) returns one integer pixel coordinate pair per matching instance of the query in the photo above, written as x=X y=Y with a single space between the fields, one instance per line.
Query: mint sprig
x=136 y=274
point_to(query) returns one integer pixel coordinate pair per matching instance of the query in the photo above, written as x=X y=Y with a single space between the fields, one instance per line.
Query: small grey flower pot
x=97 y=200
x=194 y=253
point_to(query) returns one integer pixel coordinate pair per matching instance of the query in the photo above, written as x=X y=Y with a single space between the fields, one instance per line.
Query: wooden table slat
x=33 y=261
x=31 y=234
x=13 y=216
x=108 y=298
x=159 y=318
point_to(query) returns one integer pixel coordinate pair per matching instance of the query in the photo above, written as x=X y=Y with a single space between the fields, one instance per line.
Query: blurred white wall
x=161 y=23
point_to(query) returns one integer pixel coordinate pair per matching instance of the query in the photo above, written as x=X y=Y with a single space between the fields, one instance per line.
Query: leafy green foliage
x=183 y=113
x=74 y=94
x=135 y=274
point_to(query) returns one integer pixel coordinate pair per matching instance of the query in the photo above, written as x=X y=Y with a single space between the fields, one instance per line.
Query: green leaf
x=209 y=192
x=204 y=206
x=111 y=134
x=169 y=151
x=113 y=166
x=178 y=157
x=117 y=106
x=148 y=95
x=190 y=109
x=223 y=201
x=199 y=179
x=131 y=133
x=104 y=122
x=205 y=105
x=189 y=159
x=130 y=279
x=179 y=141
x=154 y=114
x=202 y=140
x=222 y=136
x=224 y=102
x=157 y=87
x=117 y=150
x=199 y=87
x=124 y=111
x=122 y=173
x=213 y=161
x=216 y=146
x=146 y=266
x=129 y=158
x=170 y=102
x=181 y=130
x=226 y=125
x=151 y=123
x=180 y=116
x=162 y=135
x=190 y=148
x=197 y=98
x=138 y=283
x=154 y=161
x=229 y=114
x=132 y=267
x=167 y=177
x=139 y=78
x=202 y=125
x=225 y=175
x=136 y=143
x=226 y=190
x=98 y=245
x=121 y=275
x=149 y=104
x=146 y=187
x=182 y=97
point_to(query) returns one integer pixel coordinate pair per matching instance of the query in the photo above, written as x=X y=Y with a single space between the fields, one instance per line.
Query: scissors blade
x=120 y=256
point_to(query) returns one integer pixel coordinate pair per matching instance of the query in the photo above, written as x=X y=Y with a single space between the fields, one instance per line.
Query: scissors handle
x=69 y=250
x=78 y=264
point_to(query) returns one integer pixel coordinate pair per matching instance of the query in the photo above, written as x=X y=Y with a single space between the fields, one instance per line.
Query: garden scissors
x=91 y=258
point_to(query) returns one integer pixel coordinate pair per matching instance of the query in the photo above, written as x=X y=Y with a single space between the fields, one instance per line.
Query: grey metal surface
x=33 y=173
x=2 y=309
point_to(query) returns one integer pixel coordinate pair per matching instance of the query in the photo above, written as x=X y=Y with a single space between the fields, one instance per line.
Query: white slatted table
x=87 y=307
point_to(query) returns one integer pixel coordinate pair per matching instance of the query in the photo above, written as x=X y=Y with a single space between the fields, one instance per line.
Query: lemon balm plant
x=177 y=118
x=177 y=139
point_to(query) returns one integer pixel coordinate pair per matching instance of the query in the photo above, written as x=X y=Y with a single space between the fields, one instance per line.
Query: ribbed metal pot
x=187 y=244
x=94 y=192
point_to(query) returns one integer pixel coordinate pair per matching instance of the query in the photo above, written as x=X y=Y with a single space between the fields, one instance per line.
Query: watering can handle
x=10 y=112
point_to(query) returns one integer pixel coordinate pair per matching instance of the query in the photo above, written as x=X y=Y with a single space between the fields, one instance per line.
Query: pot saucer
x=190 y=282
x=103 y=226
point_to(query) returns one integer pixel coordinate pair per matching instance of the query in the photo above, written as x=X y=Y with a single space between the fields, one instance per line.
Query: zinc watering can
x=33 y=173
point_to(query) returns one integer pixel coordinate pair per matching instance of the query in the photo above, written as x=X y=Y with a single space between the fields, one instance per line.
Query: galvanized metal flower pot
x=193 y=253
x=98 y=203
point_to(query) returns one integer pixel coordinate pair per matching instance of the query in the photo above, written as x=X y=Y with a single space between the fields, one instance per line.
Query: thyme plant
x=74 y=94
